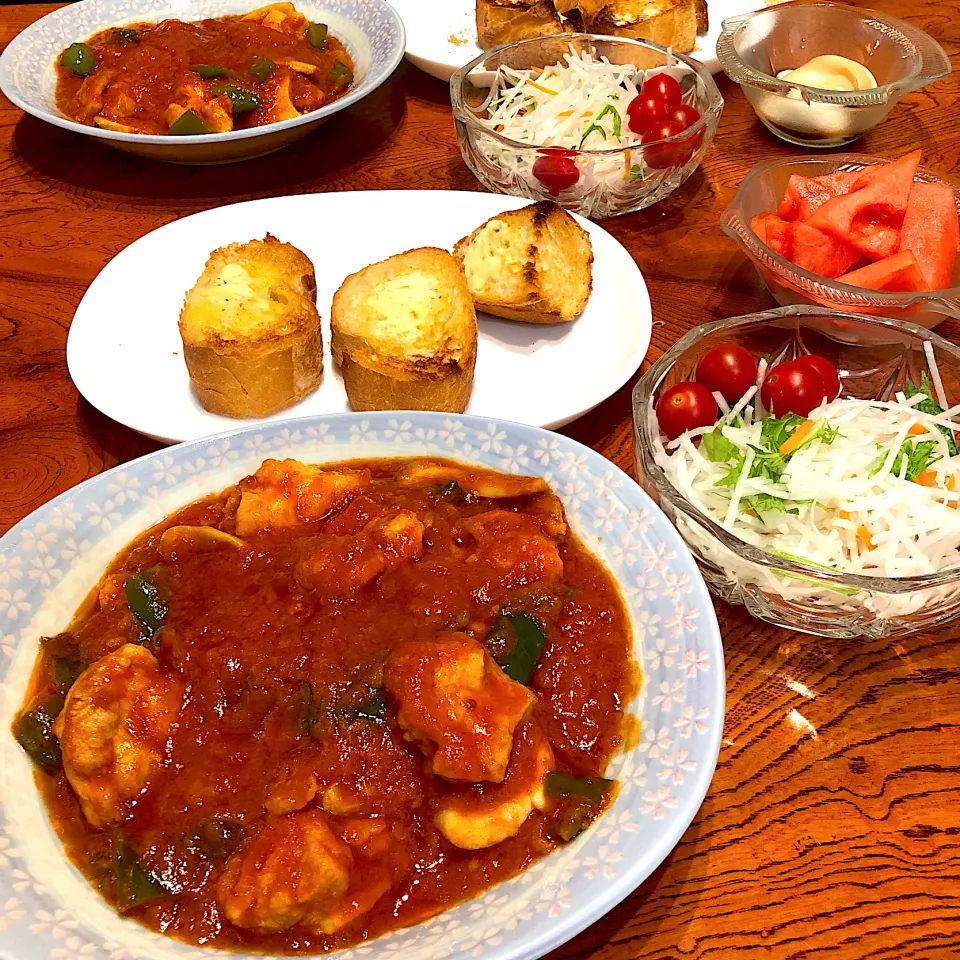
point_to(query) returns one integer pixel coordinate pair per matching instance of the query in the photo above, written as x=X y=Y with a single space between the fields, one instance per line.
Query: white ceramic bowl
x=371 y=30
x=50 y=560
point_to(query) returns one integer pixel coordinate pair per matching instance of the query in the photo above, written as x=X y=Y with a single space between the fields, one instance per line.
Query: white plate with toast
x=442 y=37
x=125 y=353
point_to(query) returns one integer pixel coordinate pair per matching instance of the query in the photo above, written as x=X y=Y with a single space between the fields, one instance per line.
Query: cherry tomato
x=665 y=86
x=556 y=169
x=792 y=387
x=683 y=114
x=660 y=156
x=684 y=407
x=644 y=110
x=728 y=369
x=827 y=371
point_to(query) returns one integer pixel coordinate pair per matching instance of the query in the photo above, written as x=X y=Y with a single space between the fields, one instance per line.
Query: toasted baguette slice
x=703 y=17
x=405 y=334
x=504 y=21
x=671 y=23
x=533 y=264
x=251 y=331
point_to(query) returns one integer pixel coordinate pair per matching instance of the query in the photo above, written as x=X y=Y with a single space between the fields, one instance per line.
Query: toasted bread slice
x=504 y=21
x=671 y=23
x=532 y=265
x=405 y=334
x=703 y=16
x=251 y=331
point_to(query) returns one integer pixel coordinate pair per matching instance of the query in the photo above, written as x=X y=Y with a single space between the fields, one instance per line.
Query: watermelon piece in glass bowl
x=820 y=192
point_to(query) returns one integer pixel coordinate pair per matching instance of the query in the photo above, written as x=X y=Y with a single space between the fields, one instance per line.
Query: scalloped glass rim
x=733 y=224
x=710 y=116
x=925 y=45
x=642 y=400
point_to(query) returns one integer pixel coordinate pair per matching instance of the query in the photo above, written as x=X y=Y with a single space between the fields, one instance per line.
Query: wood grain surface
x=836 y=835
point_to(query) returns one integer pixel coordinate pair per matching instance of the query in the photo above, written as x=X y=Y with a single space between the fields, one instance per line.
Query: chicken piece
x=296 y=871
x=104 y=124
x=113 y=730
x=474 y=821
x=277 y=98
x=295 y=788
x=344 y=565
x=286 y=493
x=477 y=481
x=119 y=100
x=217 y=113
x=92 y=89
x=306 y=96
x=359 y=899
x=548 y=509
x=458 y=705
x=279 y=16
x=515 y=547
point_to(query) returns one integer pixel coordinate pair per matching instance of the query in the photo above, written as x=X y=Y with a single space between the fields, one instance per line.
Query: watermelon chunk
x=816 y=251
x=803 y=195
x=870 y=216
x=774 y=232
x=931 y=231
x=901 y=272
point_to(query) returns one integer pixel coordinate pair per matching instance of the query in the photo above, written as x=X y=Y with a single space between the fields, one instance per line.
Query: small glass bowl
x=609 y=183
x=760 y=192
x=755 y=47
x=875 y=361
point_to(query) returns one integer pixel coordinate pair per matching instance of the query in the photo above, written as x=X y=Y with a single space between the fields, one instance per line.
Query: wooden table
x=837 y=835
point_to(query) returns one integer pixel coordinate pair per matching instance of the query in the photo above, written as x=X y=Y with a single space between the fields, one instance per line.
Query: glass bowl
x=875 y=359
x=611 y=181
x=760 y=192
x=755 y=47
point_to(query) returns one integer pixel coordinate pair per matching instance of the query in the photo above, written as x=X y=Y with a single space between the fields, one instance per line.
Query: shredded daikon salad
x=860 y=486
x=579 y=103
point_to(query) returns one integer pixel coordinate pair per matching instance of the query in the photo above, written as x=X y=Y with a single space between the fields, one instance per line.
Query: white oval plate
x=442 y=37
x=126 y=357
x=50 y=560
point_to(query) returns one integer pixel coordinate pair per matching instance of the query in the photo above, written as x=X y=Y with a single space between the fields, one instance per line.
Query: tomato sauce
x=279 y=672
x=232 y=73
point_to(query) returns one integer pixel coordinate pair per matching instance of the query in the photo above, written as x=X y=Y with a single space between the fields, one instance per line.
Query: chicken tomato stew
x=211 y=76
x=332 y=701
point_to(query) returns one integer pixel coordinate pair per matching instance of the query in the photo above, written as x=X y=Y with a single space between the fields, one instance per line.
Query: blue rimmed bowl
x=49 y=562
x=371 y=30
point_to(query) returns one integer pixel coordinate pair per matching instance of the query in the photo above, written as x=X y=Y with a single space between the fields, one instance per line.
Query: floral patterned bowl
x=371 y=30
x=50 y=560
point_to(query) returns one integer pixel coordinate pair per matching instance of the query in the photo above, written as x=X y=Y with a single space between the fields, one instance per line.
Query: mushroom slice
x=104 y=124
x=176 y=541
x=479 y=482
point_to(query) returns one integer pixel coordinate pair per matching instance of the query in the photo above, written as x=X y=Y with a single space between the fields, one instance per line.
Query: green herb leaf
x=340 y=76
x=516 y=642
x=594 y=789
x=636 y=172
x=767 y=503
x=717 y=448
x=572 y=822
x=595 y=125
x=813 y=581
x=932 y=408
x=144 y=601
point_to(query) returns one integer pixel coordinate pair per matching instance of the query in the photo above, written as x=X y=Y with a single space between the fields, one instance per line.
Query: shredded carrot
x=499 y=128
x=863 y=535
x=565 y=114
x=796 y=438
x=843 y=515
x=547 y=90
x=627 y=165
x=927 y=479
x=918 y=430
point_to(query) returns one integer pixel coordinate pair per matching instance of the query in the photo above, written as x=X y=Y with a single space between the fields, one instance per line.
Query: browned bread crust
x=251 y=331
x=504 y=21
